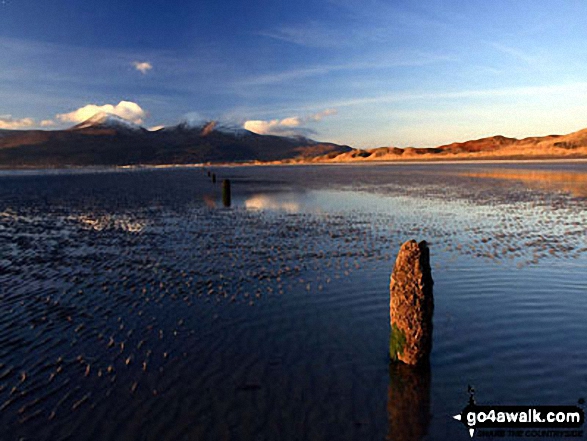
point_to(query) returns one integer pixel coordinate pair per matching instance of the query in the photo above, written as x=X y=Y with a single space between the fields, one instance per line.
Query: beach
x=137 y=306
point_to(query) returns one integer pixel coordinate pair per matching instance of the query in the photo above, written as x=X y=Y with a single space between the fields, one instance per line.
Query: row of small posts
x=226 y=193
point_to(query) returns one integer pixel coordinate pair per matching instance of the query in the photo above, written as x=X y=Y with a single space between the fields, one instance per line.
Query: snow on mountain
x=231 y=129
x=207 y=127
x=183 y=126
x=105 y=120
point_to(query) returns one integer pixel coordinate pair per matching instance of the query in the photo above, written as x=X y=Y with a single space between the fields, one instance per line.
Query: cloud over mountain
x=124 y=109
x=10 y=123
x=291 y=126
x=285 y=127
x=321 y=115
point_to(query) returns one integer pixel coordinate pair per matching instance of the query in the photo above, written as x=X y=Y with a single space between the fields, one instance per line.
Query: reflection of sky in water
x=121 y=222
x=499 y=228
x=351 y=201
x=574 y=183
x=288 y=202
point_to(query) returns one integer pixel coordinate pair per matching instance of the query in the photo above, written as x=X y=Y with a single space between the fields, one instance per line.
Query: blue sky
x=362 y=72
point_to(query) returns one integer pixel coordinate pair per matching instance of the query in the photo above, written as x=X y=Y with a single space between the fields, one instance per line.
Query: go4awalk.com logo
x=522 y=421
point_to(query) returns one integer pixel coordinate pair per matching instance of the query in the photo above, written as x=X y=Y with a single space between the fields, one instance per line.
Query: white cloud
x=283 y=127
x=142 y=66
x=47 y=123
x=125 y=109
x=321 y=115
x=292 y=121
x=197 y=118
x=155 y=128
x=291 y=126
x=10 y=123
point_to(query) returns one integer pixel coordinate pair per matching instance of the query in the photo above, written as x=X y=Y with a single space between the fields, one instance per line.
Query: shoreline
x=415 y=162
x=100 y=168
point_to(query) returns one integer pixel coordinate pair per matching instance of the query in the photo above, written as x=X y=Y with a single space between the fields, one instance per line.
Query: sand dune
x=573 y=145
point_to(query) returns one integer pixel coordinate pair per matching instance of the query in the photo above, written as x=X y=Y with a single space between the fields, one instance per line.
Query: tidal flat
x=135 y=306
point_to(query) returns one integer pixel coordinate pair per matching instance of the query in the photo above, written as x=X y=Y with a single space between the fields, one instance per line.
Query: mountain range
x=108 y=140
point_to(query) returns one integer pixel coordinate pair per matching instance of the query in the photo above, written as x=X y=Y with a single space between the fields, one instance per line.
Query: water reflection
x=120 y=222
x=282 y=202
x=408 y=402
x=321 y=201
x=209 y=201
x=574 y=183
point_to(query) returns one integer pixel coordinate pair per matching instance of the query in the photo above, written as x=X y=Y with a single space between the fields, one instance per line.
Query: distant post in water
x=411 y=304
x=208 y=173
x=226 y=192
x=213 y=178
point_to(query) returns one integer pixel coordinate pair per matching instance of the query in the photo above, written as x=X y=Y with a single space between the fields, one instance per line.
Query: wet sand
x=136 y=307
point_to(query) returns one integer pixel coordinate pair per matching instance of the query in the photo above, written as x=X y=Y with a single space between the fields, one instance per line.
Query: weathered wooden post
x=411 y=304
x=226 y=192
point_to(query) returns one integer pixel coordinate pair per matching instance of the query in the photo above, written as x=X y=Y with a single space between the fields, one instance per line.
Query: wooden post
x=411 y=304
x=226 y=193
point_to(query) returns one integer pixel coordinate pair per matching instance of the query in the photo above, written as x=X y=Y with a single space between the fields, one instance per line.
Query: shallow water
x=135 y=306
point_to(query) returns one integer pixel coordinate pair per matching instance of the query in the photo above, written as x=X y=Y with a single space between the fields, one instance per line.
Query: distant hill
x=573 y=145
x=106 y=139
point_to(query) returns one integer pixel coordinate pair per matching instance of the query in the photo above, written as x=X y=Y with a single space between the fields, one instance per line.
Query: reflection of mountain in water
x=408 y=402
x=574 y=183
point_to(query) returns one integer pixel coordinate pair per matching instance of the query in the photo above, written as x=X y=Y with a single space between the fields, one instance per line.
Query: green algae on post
x=397 y=342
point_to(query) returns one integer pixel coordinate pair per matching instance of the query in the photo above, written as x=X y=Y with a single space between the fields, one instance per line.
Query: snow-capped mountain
x=103 y=120
x=106 y=139
x=205 y=128
x=230 y=129
x=183 y=126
